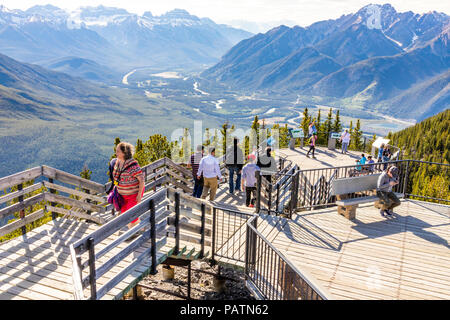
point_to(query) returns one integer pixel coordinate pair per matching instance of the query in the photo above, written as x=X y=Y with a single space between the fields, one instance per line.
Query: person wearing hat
x=388 y=199
x=249 y=180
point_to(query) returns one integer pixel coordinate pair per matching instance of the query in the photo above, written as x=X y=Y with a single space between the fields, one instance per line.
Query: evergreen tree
x=86 y=173
x=139 y=145
x=246 y=146
x=356 y=136
x=116 y=142
x=337 y=125
x=254 y=135
x=156 y=147
x=306 y=119
x=327 y=125
x=224 y=132
x=208 y=138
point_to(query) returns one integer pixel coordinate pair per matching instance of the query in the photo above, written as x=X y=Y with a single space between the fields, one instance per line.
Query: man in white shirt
x=209 y=167
x=345 y=139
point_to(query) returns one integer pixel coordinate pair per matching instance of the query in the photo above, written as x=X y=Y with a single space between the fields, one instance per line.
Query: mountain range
x=377 y=58
x=114 y=37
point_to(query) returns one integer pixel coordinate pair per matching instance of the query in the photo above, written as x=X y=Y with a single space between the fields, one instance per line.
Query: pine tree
x=305 y=122
x=156 y=147
x=356 y=136
x=224 y=132
x=116 y=142
x=86 y=173
x=208 y=137
x=337 y=125
x=254 y=137
x=139 y=145
x=327 y=126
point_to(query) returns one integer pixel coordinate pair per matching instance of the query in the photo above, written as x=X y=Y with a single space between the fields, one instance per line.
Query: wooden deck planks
x=380 y=259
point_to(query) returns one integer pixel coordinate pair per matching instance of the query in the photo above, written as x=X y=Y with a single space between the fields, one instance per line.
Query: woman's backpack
x=114 y=196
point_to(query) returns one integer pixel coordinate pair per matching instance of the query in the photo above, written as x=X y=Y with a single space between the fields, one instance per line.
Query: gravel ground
x=202 y=287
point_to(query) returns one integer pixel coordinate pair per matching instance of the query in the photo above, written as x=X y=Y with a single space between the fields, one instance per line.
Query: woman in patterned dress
x=131 y=182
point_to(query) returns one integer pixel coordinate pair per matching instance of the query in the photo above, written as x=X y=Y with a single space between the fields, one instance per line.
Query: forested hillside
x=428 y=140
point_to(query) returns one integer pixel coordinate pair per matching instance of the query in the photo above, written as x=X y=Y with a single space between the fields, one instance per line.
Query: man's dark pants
x=198 y=187
x=250 y=198
x=388 y=200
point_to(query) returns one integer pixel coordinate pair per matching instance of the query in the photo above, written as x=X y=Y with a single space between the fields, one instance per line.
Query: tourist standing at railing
x=209 y=168
x=370 y=162
x=194 y=164
x=234 y=161
x=388 y=199
x=386 y=157
x=380 y=153
x=345 y=139
x=249 y=180
x=312 y=145
x=128 y=178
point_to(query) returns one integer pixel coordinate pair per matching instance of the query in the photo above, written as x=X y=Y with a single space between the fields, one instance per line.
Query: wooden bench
x=345 y=187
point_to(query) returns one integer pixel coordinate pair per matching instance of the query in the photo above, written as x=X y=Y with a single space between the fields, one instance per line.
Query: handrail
x=304 y=275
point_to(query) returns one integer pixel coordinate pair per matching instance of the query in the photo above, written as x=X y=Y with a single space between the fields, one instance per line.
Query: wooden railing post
x=153 y=235
x=52 y=203
x=202 y=231
x=177 y=224
x=92 y=275
x=22 y=212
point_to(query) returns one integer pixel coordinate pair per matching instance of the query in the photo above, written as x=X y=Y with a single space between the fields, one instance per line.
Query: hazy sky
x=262 y=12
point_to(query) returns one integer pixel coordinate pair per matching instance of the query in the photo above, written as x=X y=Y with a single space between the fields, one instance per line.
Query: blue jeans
x=198 y=187
x=231 y=172
x=344 y=147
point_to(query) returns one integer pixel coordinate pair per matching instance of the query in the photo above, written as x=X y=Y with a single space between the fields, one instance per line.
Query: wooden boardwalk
x=38 y=265
x=371 y=257
x=406 y=257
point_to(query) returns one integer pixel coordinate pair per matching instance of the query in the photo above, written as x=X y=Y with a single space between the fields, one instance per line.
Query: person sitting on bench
x=388 y=199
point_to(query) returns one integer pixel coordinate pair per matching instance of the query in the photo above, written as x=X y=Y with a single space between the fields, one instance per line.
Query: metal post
x=189 y=281
x=277 y=203
x=405 y=182
x=92 y=275
x=177 y=224
x=258 y=191
x=202 y=231
x=270 y=197
x=153 y=236
x=213 y=235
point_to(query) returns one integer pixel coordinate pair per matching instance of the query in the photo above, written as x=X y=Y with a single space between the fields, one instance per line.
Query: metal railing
x=315 y=184
x=229 y=235
x=272 y=275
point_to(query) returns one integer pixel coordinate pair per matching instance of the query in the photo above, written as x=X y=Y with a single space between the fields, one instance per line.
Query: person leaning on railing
x=388 y=199
x=210 y=169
